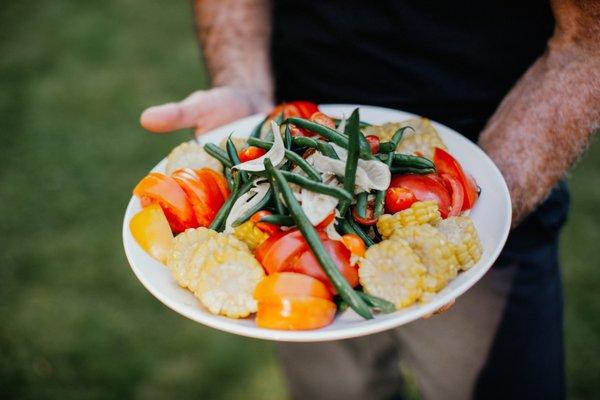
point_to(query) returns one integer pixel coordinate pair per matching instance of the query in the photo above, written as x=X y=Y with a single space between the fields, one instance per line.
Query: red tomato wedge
x=164 y=190
x=218 y=179
x=265 y=246
x=425 y=187
x=446 y=164
x=202 y=192
x=308 y=264
x=398 y=199
x=458 y=194
x=282 y=254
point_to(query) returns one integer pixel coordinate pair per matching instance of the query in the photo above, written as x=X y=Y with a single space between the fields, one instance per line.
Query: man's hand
x=234 y=35
x=205 y=110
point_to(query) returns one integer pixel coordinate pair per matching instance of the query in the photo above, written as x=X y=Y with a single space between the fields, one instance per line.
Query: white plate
x=491 y=214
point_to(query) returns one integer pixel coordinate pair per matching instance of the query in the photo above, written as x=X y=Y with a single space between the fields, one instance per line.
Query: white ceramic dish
x=491 y=214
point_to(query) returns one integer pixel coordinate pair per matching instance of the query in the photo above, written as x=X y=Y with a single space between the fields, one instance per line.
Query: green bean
x=278 y=219
x=317 y=187
x=361 y=204
x=290 y=155
x=380 y=196
x=287 y=138
x=351 y=224
x=258 y=128
x=340 y=303
x=218 y=153
x=382 y=305
x=235 y=159
x=314 y=242
x=362 y=124
x=229 y=177
x=386 y=147
x=253 y=210
x=410 y=161
x=328 y=133
x=407 y=170
x=225 y=209
x=322 y=146
x=352 y=159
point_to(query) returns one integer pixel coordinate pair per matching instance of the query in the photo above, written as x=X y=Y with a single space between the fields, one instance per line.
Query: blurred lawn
x=75 y=323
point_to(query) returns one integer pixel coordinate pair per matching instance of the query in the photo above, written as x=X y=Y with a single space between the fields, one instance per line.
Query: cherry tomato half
x=264 y=226
x=320 y=118
x=398 y=199
x=374 y=143
x=354 y=243
x=251 y=153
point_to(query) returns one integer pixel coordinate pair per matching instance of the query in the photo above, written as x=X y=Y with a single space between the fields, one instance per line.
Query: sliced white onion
x=317 y=206
x=245 y=202
x=370 y=174
x=275 y=154
x=331 y=232
x=377 y=172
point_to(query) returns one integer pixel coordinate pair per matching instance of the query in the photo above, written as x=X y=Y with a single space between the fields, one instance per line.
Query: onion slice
x=245 y=202
x=276 y=154
x=377 y=172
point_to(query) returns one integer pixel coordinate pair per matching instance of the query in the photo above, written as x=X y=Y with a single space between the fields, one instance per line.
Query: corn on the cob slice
x=423 y=139
x=183 y=259
x=420 y=212
x=461 y=232
x=392 y=271
x=239 y=142
x=191 y=155
x=435 y=252
x=250 y=234
x=227 y=282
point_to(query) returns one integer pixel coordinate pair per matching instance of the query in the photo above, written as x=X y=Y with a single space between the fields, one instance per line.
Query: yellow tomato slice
x=151 y=230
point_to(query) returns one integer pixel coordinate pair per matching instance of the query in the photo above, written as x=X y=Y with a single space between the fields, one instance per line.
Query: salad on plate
x=310 y=215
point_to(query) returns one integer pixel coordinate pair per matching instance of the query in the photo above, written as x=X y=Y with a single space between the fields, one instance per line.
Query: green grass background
x=74 y=321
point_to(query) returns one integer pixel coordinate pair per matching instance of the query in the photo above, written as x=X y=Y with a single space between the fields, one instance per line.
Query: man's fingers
x=441 y=310
x=173 y=116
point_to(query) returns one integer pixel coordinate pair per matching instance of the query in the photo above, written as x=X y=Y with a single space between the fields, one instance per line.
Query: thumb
x=173 y=116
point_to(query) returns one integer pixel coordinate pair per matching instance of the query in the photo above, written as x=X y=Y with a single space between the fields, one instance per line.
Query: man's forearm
x=544 y=123
x=235 y=35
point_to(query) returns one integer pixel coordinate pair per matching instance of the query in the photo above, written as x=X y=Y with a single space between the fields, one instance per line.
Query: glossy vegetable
x=164 y=190
x=295 y=313
x=456 y=191
x=282 y=252
x=250 y=153
x=217 y=179
x=313 y=240
x=202 y=192
x=446 y=164
x=354 y=243
x=264 y=226
x=151 y=230
x=219 y=154
x=425 y=187
x=398 y=199
x=373 y=143
x=307 y=264
x=352 y=159
x=278 y=219
x=219 y=220
x=290 y=284
x=317 y=187
x=322 y=119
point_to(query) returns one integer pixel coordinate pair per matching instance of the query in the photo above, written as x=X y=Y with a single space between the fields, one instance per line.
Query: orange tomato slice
x=295 y=313
x=217 y=178
x=202 y=193
x=290 y=284
x=164 y=190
